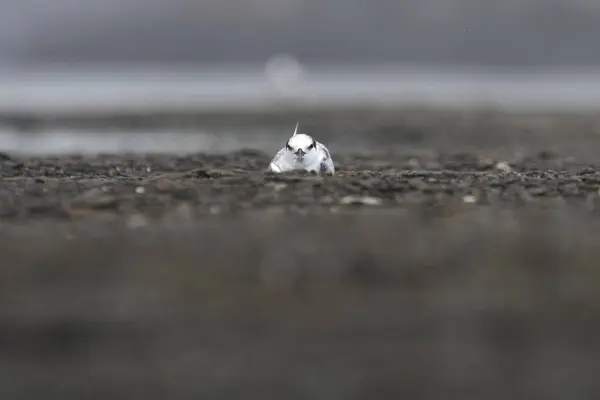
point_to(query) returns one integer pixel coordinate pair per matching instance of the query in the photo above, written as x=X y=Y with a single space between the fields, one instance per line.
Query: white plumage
x=302 y=152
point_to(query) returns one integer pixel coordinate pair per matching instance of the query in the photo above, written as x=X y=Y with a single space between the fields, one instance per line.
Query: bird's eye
x=312 y=146
x=287 y=145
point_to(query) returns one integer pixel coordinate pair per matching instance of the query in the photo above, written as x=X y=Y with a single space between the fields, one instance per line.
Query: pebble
x=364 y=200
x=470 y=199
x=503 y=166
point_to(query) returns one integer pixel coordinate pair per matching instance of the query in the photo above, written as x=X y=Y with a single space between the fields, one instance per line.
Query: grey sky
x=492 y=32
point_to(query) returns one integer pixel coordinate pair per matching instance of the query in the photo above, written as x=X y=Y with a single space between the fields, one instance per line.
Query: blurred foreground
x=486 y=304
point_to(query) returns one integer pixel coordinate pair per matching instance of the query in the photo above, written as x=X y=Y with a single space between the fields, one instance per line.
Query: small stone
x=470 y=199
x=140 y=190
x=362 y=200
x=214 y=209
x=503 y=166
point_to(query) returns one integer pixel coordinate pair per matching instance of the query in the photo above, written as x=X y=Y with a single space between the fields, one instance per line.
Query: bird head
x=302 y=146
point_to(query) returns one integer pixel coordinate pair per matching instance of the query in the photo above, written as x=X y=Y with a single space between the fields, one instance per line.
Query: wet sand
x=445 y=260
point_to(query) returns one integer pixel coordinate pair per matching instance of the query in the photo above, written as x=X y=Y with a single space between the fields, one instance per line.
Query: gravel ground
x=152 y=186
x=410 y=274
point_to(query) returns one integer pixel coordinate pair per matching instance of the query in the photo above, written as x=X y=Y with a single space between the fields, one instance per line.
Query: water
x=70 y=141
x=52 y=91
x=254 y=88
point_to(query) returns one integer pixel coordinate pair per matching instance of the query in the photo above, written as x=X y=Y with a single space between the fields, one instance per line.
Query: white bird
x=302 y=152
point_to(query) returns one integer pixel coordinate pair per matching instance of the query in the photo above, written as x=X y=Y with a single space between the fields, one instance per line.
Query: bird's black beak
x=300 y=154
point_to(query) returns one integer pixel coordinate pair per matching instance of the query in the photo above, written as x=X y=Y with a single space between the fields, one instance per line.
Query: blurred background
x=357 y=32
x=72 y=63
